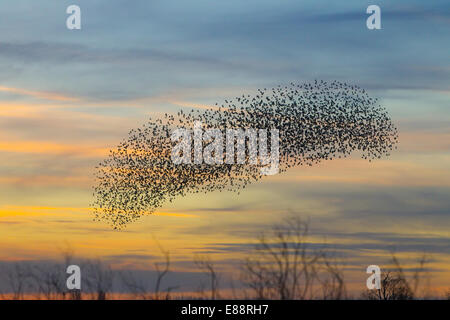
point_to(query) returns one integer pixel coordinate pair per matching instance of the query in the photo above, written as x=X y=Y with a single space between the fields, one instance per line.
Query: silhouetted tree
x=140 y=290
x=284 y=266
x=98 y=279
x=395 y=285
x=205 y=264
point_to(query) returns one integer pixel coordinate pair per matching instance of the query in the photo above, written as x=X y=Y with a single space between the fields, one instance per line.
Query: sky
x=68 y=96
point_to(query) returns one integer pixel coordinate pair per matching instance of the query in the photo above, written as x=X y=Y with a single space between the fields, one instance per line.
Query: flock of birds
x=316 y=121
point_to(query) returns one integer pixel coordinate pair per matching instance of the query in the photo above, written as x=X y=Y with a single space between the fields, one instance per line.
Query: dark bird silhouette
x=316 y=121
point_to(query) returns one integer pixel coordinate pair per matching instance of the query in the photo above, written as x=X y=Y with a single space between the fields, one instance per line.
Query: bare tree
x=331 y=279
x=283 y=265
x=48 y=281
x=162 y=269
x=17 y=277
x=140 y=289
x=395 y=285
x=204 y=263
x=98 y=279
x=137 y=288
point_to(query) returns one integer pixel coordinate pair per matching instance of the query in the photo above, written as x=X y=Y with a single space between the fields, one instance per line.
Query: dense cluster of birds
x=316 y=121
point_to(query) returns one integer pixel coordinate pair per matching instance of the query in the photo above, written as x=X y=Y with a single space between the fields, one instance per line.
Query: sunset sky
x=68 y=96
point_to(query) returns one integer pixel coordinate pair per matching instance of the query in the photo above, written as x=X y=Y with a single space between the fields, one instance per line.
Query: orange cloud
x=13 y=210
x=50 y=148
x=180 y=215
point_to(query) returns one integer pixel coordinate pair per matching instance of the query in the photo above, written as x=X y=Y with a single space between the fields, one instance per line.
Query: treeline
x=282 y=265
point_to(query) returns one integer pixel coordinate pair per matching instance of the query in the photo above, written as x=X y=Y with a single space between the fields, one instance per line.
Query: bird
x=316 y=121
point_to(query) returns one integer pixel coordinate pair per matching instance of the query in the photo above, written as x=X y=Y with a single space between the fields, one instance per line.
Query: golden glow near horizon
x=46 y=181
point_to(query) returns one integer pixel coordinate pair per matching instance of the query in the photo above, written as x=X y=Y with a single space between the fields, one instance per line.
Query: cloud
x=61 y=52
x=38 y=94
x=51 y=148
x=387 y=244
x=17 y=210
x=122 y=257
